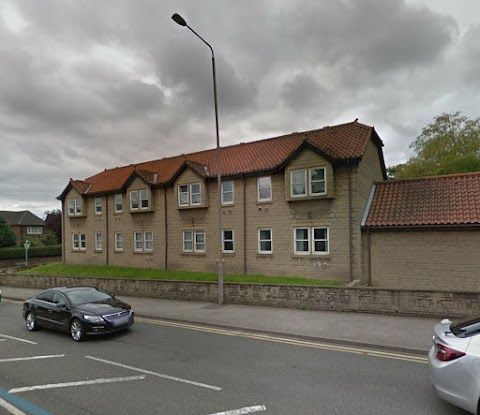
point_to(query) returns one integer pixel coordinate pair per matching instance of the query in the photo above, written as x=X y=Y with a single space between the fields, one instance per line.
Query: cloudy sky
x=87 y=85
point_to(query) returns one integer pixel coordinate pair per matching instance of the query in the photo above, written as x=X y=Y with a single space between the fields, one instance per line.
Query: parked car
x=81 y=311
x=455 y=363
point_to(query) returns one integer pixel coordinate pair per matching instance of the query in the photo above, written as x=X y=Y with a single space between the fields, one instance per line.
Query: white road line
x=17 y=339
x=2 y=340
x=160 y=375
x=246 y=410
x=81 y=383
x=18 y=359
x=10 y=408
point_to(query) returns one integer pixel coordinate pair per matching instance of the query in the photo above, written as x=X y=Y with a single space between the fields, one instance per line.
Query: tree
x=53 y=220
x=7 y=237
x=451 y=144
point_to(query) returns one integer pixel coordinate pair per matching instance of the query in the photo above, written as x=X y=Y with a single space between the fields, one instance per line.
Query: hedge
x=33 y=252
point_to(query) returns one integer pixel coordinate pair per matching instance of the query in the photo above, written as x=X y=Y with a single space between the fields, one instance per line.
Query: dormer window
x=139 y=199
x=190 y=194
x=308 y=182
x=74 y=206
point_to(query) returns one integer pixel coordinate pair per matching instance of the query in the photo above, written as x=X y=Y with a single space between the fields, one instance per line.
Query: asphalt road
x=167 y=368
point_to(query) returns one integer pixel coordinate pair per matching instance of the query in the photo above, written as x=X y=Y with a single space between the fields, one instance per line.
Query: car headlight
x=93 y=319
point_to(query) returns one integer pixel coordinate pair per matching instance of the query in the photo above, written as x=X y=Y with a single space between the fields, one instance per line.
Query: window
x=227 y=193
x=264 y=185
x=118 y=203
x=227 y=241
x=193 y=241
x=98 y=241
x=143 y=241
x=265 y=241
x=78 y=241
x=98 y=205
x=139 y=199
x=74 y=207
x=118 y=241
x=190 y=194
x=34 y=230
x=309 y=182
x=313 y=240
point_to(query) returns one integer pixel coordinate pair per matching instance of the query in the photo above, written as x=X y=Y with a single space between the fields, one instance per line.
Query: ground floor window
x=79 y=241
x=265 y=241
x=118 y=241
x=311 y=240
x=227 y=241
x=98 y=241
x=143 y=241
x=193 y=240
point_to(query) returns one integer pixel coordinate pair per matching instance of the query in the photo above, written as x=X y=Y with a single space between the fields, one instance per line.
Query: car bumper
x=93 y=329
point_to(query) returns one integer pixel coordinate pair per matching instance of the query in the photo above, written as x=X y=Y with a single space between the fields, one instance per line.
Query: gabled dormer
x=139 y=194
x=190 y=187
x=73 y=196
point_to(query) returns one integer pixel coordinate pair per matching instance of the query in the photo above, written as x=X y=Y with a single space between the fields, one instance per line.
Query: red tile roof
x=440 y=200
x=339 y=143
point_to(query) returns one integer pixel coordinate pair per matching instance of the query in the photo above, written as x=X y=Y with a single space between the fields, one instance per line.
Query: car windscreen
x=466 y=328
x=87 y=295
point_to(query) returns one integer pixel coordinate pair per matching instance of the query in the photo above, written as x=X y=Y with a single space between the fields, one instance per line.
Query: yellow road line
x=285 y=340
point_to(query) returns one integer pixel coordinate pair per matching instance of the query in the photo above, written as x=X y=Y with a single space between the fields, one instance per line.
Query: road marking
x=2 y=340
x=285 y=340
x=19 y=403
x=17 y=339
x=10 y=408
x=18 y=359
x=160 y=375
x=246 y=410
x=80 y=383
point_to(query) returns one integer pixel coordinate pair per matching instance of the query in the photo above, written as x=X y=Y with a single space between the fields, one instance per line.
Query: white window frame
x=74 y=206
x=199 y=194
x=305 y=183
x=34 y=230
x=98 y=206
x=144 y=243
x=185 y=193
x=98 y=241
x=83 y=242
x=75 y=241
x=193 y=233
x=228 y=192
x=260 y=240
x=118 y=241
x=144 y=202
x=224 y=240
x=307 y=252
x=259 y=188
x=327 y=241
x=78 y=206
x=311 y=181
x=136 y=199
x=118 y=202
x=71 y=207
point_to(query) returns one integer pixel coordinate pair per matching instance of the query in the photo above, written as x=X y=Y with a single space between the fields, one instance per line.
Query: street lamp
x=26 y=245
x=181 y=21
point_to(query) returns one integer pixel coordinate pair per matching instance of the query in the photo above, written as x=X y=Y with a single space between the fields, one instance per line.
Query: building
x=24 y=224
x=291 y=205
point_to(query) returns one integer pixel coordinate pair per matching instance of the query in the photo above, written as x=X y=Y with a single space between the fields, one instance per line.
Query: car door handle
x=50 y=310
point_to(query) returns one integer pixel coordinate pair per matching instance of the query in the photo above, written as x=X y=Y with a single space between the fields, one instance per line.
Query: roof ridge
x=428 y=178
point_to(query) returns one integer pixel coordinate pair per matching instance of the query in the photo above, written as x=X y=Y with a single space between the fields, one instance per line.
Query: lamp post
x=181 y=21
x=26 y=245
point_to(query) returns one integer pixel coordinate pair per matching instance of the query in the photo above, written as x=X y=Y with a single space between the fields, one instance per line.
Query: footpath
x=391 y=332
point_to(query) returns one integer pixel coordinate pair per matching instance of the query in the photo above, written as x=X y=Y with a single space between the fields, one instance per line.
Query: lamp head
x=179 y=19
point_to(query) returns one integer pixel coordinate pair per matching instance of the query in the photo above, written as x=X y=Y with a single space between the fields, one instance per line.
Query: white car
x=455 y=363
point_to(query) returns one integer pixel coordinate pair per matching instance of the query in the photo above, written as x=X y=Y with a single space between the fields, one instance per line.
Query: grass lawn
x=155 y=274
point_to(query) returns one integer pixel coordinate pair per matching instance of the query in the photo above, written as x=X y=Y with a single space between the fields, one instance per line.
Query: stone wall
x=358 y=299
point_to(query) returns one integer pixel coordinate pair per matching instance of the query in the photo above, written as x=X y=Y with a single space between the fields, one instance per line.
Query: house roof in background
x=439 y=200
x=341 y=143
x=23 y=218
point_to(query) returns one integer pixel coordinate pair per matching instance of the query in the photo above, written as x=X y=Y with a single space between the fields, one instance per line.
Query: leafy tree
x=7 y=237
x=451 y=144
x=53 y=220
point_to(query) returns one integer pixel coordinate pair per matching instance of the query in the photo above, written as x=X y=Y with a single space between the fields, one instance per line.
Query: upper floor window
x=74 y=206
x=190 y=194
x=311 y=240
x=118 y=202
x=264 y=187
x=98 y=205
x=265 y=241
x=193 y=240
x=227 y=193
x=98 y=241
x=307 y=182
x=227 y=241
x=34 y=230
x=143 y=241
x=139 y=199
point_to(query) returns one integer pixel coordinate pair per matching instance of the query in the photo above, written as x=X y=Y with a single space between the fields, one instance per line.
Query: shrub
x=33 y=252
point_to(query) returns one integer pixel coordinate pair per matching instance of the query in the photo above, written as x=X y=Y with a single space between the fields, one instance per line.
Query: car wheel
x=77 y=331
x=31 y=321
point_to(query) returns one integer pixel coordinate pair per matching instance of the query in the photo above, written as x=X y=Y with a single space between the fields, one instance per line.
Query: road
x=159 y=367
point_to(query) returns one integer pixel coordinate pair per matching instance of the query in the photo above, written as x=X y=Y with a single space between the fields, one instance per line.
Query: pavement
x=391 y=332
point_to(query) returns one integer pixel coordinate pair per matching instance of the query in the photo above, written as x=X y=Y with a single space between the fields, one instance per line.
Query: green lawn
x=154 y=274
